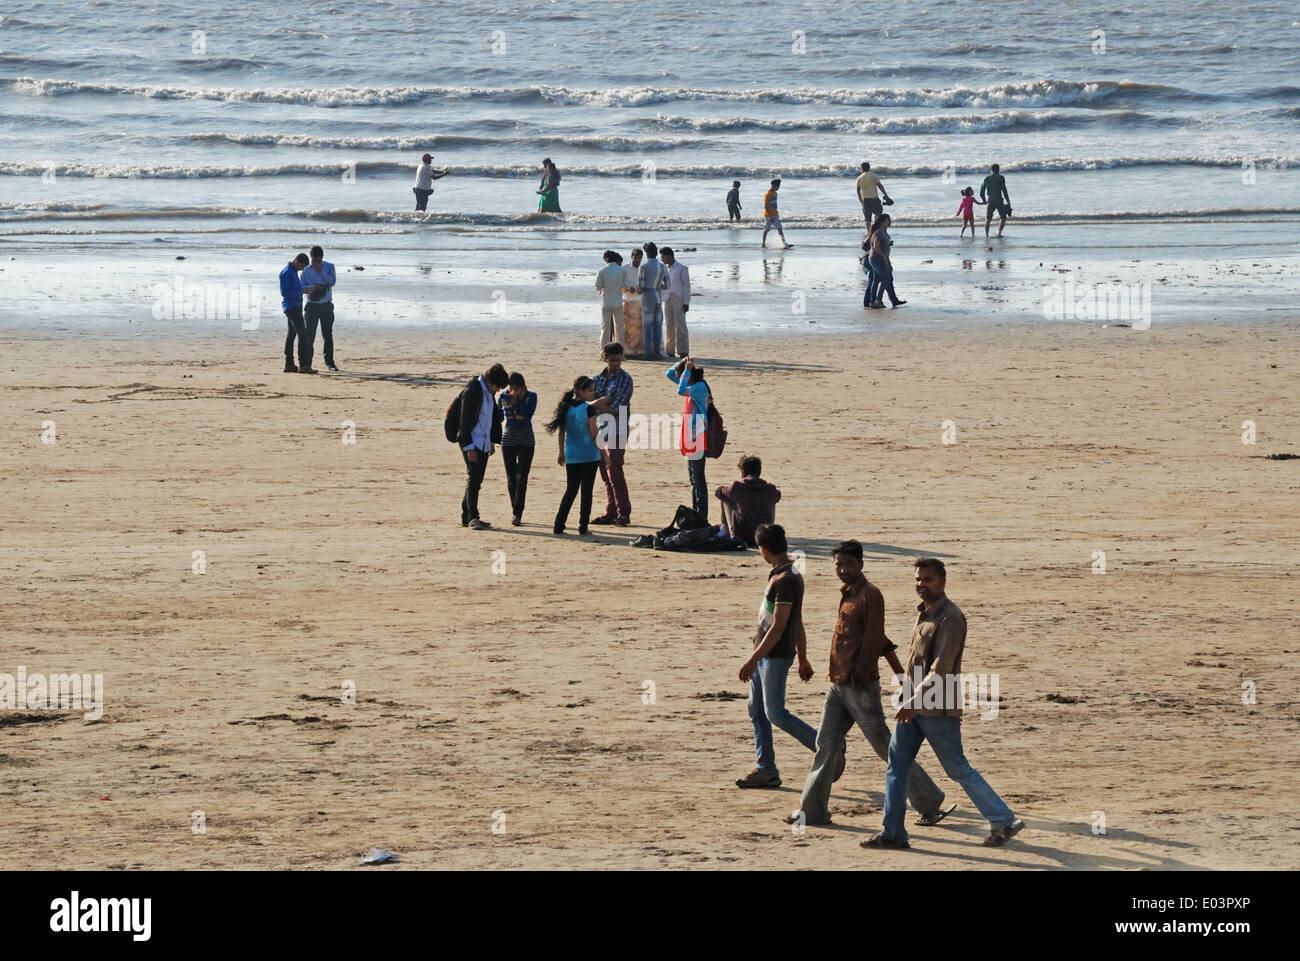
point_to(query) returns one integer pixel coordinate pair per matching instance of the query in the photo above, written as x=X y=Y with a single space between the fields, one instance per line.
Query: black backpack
x=451 y=425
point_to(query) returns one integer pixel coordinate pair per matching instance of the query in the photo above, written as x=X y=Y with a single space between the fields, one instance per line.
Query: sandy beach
x=503 y=671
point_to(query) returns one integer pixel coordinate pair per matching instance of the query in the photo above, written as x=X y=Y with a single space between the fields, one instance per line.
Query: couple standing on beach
x=317 y=285
x=859 y=641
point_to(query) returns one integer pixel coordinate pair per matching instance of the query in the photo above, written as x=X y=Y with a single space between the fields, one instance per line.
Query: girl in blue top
x=575 y=421
x=691 y=385
x=518 y=404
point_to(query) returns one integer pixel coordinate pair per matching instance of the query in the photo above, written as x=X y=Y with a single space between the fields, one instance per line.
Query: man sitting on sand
x=748 y=502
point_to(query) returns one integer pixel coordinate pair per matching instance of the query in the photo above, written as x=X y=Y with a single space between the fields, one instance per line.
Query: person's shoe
x=307 y=370
x=795 y=818
x=622 y=521
x=290 y=368
x=844 y=752
x=584 y=532
x=877 y=305
x=899 y=303
x=603 y=519
x=931 y=818
x=880 y=841
x=557 y=529
x=516 y=521
x=1000 y=836
x=757 y=778
x=331 y=367
x=478 y=525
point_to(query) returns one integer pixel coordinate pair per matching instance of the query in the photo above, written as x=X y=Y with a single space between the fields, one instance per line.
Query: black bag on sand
x=715 y=435
x=689 y=532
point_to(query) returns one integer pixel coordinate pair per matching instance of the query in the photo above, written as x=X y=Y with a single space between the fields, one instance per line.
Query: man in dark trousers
x=480 y=432
x=291 y=303
x=318 y=280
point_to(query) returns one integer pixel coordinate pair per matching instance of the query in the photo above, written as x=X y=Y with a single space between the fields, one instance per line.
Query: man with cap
x=854 y=695
x=425 y=175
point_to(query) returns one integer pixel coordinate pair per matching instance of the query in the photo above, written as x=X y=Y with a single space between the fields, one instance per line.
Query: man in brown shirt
x=854 y=694
x=930 y=710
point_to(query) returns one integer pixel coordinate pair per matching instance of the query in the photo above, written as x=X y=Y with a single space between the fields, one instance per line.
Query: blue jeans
x=882 y=280
x=944 y=735
x=867 y=298
x=652 y=328
x=767 y=708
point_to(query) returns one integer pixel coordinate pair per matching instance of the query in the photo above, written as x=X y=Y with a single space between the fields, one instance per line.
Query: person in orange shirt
x=773 y=218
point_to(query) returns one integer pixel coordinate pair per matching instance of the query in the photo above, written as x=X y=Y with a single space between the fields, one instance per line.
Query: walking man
x=772 y=215
x=652 y=281
x=930 y=710
x=868 y=184
x=480 y=432
x=779 y=639
x=291 y=303
x=854 y=694
x=318 y=284
x=677 y=303
x=425 y=175
x=614 y=383
x=609 y=281
x=994 y=191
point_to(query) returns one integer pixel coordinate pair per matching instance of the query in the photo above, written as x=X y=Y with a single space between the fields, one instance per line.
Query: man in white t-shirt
x=425 y=175
x=610 y=284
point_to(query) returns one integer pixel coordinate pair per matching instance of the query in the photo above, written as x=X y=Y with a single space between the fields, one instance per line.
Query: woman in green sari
x=549 y=191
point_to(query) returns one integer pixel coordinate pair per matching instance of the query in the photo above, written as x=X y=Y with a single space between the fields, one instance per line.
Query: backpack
x=451 y=425
x=715 y=435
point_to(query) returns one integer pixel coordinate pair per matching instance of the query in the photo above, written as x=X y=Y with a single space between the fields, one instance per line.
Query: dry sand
x=479 y=692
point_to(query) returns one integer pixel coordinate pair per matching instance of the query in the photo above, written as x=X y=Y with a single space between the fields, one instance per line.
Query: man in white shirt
x=425 y=175
x=652 y=280
x=676 y=304
x=318 y=279
x=610 y=284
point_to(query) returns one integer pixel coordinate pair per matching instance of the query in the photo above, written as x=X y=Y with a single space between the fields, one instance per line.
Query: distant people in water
x=868 y=184
x=994 y=190
x=966 y=211
x=733 y=201
x=425 y=175
x=772 y=217
x=549 y=190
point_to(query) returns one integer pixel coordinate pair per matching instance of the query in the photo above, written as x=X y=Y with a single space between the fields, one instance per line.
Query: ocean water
x=138 y=132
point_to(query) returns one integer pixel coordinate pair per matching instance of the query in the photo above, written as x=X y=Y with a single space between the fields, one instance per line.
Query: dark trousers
x=733 y=212
x=882 y=277
x=518 y=461
x=617 y=503
x=474 y=471
x=324 y=315
x=296 y=329
x=581 y=476
x=421 y=198
x=699 y=488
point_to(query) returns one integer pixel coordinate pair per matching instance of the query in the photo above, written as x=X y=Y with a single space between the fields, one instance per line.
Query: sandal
x=932 y=818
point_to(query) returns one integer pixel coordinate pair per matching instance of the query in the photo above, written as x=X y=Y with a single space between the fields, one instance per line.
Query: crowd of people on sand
x=640 y=301
x=590 y=425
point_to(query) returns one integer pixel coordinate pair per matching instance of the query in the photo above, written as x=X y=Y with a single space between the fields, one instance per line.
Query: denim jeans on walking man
x=845 y=705
x=652 y=328
x=767 y=709
x=944 y=735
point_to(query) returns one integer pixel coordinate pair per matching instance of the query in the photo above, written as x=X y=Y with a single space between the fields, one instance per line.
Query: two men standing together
x=317 y=285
